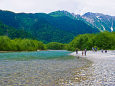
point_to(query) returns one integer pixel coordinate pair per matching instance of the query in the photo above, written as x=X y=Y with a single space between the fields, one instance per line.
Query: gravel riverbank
x=102 y=70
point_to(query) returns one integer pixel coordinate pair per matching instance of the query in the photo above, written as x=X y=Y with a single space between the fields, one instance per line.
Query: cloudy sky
x=73 y=6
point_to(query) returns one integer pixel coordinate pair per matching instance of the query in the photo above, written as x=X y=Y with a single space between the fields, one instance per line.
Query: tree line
x=103 y=40
x=18 y=44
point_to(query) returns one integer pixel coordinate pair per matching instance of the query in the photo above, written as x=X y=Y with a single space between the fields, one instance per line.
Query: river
x=38 y=68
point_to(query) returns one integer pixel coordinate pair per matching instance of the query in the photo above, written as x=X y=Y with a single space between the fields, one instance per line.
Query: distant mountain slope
x=14 y=33
x=54 y=27
x=95 y=20
x=100 y=21
x=63 y=13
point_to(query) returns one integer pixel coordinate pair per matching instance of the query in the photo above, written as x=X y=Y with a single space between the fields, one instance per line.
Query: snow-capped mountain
x=100 y=21
x=96 y=20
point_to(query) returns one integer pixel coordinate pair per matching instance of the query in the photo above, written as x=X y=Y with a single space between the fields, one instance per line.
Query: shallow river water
x=43 y=68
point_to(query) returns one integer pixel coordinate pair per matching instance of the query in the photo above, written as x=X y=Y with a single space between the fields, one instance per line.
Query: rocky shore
x=102 y=70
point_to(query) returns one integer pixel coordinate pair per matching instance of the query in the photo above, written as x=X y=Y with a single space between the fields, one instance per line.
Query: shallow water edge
x=62 y=69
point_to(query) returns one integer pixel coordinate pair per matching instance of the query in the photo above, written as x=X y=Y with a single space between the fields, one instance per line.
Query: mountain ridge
x=58 y=26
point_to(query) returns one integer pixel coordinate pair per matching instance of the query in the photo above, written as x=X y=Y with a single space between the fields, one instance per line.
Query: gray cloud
x=75 y=6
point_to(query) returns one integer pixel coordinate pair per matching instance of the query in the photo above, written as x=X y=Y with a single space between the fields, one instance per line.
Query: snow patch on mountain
x=112 y=26
x=103 y=27
x=89 y=20
x=100 y=21
x=98 y=17
x=111 y=29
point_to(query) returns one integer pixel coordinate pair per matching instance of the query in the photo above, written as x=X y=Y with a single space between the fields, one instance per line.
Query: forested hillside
x=14 y=33
x=44 y=27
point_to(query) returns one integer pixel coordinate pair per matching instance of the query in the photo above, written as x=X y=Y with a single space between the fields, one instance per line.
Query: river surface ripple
x=42 y=68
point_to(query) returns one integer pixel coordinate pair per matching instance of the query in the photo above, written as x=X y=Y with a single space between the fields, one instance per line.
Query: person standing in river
x=85 y=51
x=82 y=52
x=76 y=51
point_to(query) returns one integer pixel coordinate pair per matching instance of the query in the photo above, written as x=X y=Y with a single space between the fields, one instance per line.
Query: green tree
x=55 y=46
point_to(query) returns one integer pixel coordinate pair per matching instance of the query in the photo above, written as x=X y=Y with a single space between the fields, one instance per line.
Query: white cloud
x=75 y=6
x=99 y=6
